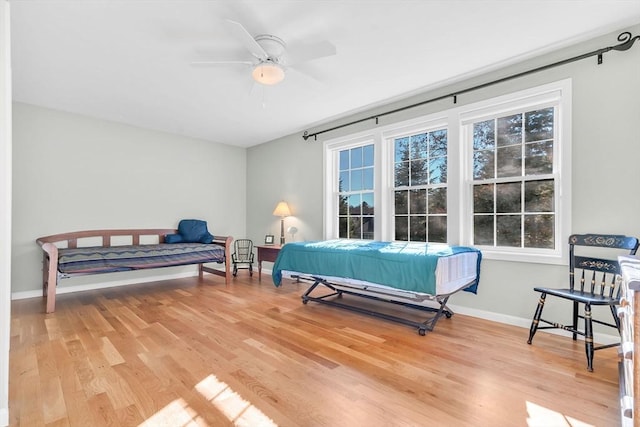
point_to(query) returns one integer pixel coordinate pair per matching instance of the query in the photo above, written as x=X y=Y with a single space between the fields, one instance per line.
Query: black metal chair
x=242 y=255
x=593 y=281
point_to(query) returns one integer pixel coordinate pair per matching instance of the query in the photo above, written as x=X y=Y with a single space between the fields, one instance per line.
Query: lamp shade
x=282 y=210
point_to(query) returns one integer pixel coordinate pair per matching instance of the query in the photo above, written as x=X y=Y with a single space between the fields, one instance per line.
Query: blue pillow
x=193 y=230
x=206 y=238
x=173 y=238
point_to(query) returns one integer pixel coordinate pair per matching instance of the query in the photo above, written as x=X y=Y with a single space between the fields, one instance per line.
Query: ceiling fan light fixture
x=268 y=73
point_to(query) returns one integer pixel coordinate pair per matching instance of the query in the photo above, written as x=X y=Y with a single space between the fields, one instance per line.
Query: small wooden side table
x=267 y=253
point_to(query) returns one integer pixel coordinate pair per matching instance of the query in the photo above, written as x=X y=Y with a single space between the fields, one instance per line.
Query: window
x=355 y=193
x=513 y=181
x=420 y=189
x=493 y=174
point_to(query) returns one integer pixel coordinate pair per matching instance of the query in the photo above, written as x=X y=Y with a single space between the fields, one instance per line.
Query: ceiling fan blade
x=207 y=63
x=247 y=39
x=308 y=52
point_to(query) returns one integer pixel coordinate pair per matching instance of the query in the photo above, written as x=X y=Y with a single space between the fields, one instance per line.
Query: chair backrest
x=596 y=266
x=243 y=250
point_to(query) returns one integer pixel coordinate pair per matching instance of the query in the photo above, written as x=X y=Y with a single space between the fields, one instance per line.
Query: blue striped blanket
x=403 y=265
x=122 y=258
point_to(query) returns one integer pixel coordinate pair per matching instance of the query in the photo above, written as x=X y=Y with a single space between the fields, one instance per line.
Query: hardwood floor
x=189 y=352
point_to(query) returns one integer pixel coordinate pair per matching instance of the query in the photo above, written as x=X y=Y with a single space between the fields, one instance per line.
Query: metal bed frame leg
x=423 y=327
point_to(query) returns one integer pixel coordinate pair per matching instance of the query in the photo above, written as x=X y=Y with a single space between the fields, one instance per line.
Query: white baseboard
x=599 y=338
x=102 y=285
x=4 y=417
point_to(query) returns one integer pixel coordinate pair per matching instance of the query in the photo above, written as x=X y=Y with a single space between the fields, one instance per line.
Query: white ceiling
x=130 y=61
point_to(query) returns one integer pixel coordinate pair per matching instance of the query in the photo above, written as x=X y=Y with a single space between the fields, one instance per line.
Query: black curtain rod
x=626 y=39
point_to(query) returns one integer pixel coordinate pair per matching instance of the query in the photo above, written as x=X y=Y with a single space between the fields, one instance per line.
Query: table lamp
x=282 y=210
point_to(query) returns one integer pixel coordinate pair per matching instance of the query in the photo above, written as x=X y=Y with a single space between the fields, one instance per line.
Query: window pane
x=355 y=227
x=402 y=202
x=367 y=179
x=438 y=143
x=356 y=157
x=401 y=174
x=342 y=227
x=484 y=164
x=354 y=205
x=484 y=135
x=344 y=183
x=508 y=230
x=483 y=199
x=344 y=160
x=437 y=201
x=483 y=230
x=509 y=161
x=539 y=124
x=508 y=198
x=510 y=130
x=418 y=228
x=367 y=155
x=418 y=201
x=367 y=227
x=402 y=149
x=438 y=170
x=402 y=228
x=538 y=196
x=437 y=229
x=538 y=231
x=538 y=158
x=419 y=172
x=356 y=180
x=343 y=206
x=419 y=146
x=367 y=204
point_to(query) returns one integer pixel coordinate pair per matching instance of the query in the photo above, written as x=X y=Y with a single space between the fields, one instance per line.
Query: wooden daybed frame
x=50 y=272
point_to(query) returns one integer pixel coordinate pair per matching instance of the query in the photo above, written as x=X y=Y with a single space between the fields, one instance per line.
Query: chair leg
x=235 y=269
x=536 y=317
x=250 y=269
x=576 y=310
x=616 y=319
x=588 y=337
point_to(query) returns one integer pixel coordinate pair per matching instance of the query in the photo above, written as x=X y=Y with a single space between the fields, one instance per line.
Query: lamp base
x=281 y=231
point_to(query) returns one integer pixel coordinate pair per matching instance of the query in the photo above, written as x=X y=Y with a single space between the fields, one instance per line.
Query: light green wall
x=605 y=175
x=72 y=173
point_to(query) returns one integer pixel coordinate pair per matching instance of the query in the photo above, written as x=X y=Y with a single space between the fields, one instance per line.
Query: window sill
x=538 y=257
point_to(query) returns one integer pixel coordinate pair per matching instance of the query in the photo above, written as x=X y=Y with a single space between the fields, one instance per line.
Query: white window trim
x=459 y=181
x=559 y=94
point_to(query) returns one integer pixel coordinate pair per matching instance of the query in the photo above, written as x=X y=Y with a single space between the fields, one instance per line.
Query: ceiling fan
x=271 y=55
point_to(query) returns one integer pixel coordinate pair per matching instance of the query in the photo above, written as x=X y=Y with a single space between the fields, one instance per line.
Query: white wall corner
x=5 y=207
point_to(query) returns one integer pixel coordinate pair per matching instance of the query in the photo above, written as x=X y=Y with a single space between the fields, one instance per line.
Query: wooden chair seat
x=580 y=296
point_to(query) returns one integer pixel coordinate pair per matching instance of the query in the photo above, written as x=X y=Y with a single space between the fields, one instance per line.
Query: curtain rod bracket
x=376 y=120
x=599 y=58
x=455 y=99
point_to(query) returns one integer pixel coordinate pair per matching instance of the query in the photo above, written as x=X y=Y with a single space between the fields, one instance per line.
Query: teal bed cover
x=409 y=266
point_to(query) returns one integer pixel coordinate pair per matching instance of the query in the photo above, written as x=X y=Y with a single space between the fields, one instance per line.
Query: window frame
x=460 y=169
x=558 y=95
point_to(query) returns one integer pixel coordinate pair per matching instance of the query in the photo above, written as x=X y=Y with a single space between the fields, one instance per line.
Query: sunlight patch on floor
x=539 y=416
x=175 y=414
x=240 y=411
